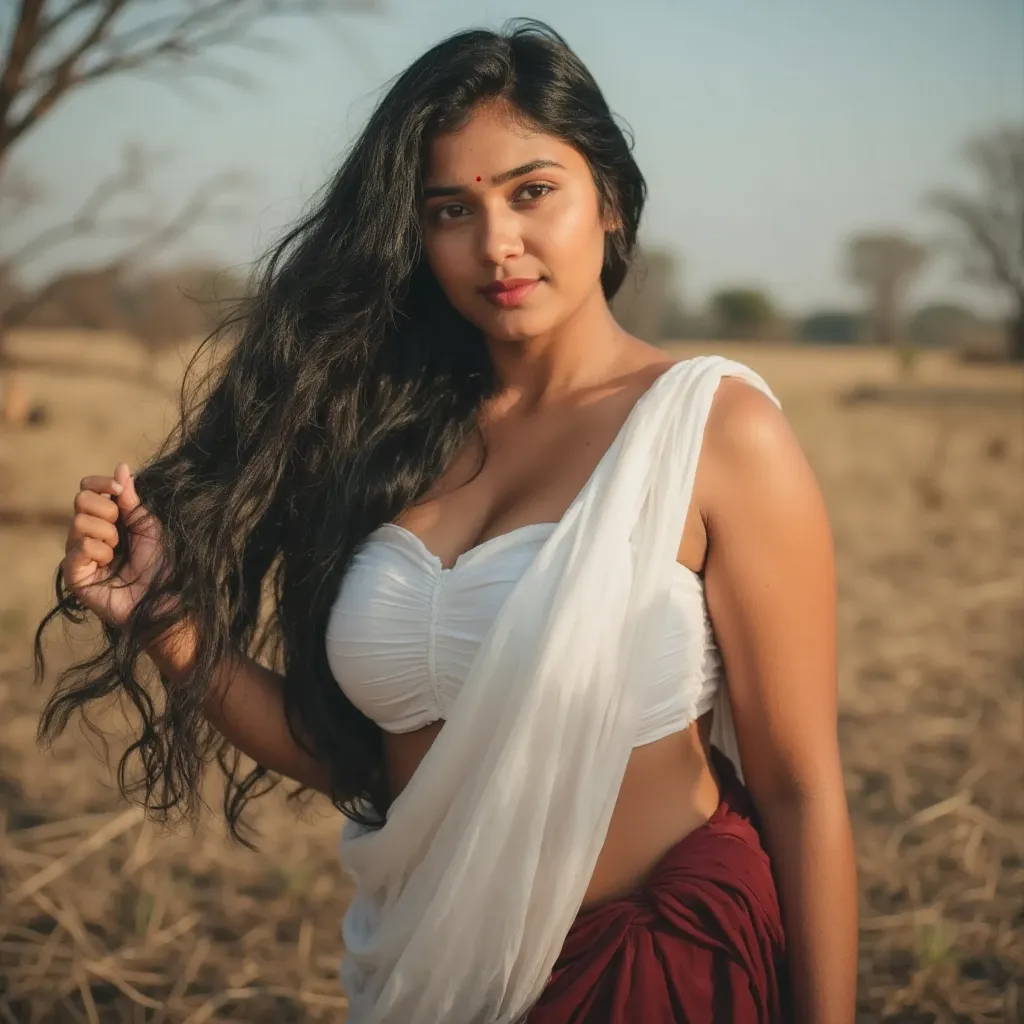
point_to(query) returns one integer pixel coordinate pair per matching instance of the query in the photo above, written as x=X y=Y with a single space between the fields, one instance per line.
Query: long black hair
x=351 y=383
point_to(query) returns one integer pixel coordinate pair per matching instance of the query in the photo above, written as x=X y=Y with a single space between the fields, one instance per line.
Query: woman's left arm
x=770 y=584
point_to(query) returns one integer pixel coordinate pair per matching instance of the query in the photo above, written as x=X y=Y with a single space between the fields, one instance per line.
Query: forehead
x=491 y=142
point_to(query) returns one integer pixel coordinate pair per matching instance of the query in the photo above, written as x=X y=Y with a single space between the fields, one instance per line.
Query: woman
x=483 y=505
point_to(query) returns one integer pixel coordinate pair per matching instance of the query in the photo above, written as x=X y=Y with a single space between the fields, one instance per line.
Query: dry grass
x=105 y=918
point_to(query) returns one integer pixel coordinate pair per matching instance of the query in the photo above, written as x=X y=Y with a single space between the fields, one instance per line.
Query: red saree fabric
x=700 y=942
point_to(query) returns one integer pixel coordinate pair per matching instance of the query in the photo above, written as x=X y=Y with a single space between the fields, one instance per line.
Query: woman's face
x=505 y=205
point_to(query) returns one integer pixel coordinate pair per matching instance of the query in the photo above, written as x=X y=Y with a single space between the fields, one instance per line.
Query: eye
x=533 y=191
x=450 y=211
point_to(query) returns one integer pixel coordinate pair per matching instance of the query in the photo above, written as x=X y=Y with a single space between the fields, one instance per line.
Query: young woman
x=526 y=573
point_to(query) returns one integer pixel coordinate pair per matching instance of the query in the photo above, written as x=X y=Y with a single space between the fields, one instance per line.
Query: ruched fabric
x=404 y=631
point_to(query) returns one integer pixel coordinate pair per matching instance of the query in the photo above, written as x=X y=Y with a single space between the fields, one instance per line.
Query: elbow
x=819 y=790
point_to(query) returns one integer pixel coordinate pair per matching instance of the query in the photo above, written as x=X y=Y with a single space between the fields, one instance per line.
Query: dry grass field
x=104 y=917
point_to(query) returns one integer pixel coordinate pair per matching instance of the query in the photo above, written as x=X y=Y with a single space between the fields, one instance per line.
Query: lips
x=511 y=291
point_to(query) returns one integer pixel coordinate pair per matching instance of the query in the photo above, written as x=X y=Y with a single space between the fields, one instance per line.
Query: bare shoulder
x=744 y=422
x=750 y=452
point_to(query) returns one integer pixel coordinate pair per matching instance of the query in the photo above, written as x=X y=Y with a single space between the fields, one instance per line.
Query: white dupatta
x=465 y=896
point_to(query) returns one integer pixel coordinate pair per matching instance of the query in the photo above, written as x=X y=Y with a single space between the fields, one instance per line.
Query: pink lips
x=510 y=292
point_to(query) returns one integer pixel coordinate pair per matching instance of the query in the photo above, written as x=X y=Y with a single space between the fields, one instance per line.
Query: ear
x=611 y=221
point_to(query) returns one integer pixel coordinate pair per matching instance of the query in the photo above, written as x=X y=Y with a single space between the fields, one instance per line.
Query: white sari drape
x=465 y=896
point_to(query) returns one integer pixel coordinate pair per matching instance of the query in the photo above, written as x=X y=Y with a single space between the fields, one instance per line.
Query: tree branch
x=18 y=193
x=58 y=20
x=24 y=40
x=62 y=76
x=83 y=222
x=982 y=233
x=103 y=50
x=991 y=222
x=88 y=222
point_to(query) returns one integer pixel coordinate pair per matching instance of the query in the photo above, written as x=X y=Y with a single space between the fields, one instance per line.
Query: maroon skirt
x=700 y=942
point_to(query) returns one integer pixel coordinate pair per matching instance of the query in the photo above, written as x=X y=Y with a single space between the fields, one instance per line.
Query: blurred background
x=836 y=198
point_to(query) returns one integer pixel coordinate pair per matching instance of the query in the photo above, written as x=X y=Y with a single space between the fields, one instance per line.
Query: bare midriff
x=668 y=790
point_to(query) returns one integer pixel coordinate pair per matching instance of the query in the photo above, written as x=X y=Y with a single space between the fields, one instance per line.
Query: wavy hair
x=350 y=385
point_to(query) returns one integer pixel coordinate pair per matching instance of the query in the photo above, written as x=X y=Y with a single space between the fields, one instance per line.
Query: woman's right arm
x=245 y=704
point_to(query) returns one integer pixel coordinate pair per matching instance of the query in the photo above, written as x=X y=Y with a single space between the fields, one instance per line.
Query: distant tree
x=158 y=307
x=743 y=313
x=831 y=327
x=990 y=223
x=170 y=306
x=647 y=293
x=885 y=265
x=675 y=321
x=92 y=299
x=944 y=325
x=11 y=290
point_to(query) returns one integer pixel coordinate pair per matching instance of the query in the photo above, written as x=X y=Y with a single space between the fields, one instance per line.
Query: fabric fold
x=465 y=896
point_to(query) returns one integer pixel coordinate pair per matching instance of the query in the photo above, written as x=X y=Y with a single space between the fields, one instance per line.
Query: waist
x=668 y=791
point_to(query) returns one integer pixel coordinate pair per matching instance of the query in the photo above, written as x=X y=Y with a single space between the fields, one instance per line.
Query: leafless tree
x=885 y=264
x=990 y=222
x=57 y=46
x=52 y=49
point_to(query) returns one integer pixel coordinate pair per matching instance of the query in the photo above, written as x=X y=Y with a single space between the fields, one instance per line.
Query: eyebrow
x=498 y=179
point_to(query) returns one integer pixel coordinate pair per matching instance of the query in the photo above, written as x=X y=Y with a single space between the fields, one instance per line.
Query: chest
x=404 y=631
x=519 y=470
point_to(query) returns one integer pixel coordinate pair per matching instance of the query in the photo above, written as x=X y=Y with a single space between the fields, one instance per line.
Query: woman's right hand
x=91 y=540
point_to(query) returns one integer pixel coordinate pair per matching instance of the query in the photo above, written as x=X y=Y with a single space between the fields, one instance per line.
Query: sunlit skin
x=757 y=531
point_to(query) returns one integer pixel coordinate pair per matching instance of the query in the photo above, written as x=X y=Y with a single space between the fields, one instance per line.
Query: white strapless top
x=403 y=631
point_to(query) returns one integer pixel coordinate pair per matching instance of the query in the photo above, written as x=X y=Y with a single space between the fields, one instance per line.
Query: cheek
x=451 y=257
x=443 y=259
x=571 y=243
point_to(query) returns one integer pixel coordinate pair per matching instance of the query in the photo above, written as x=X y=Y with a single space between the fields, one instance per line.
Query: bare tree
x=57 y=46
x=885 y=264
x=51 y=49
x=990 y=223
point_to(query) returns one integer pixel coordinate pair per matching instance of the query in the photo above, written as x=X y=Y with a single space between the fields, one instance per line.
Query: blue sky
x=768 y=131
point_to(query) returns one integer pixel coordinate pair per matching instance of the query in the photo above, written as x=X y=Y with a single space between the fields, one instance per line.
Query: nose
x=500 y=235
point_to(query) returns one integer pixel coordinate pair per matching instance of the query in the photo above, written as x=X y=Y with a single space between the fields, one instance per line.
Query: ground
x=104 y=917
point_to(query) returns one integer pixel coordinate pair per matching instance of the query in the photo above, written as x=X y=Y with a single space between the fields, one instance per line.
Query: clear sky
x=768 y=130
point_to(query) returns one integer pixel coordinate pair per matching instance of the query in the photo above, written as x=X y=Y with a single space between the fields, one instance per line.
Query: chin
x=512 y=334
x=516 y=324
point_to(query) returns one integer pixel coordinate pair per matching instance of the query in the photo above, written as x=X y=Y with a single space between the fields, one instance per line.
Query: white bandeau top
x=403 y=631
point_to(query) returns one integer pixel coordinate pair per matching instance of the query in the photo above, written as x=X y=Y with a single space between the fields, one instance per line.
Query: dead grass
x=103 y=917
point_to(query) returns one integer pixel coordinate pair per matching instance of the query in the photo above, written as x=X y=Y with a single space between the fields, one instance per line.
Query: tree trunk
x=14 y=399
x=14 y=396
x=886 y=315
